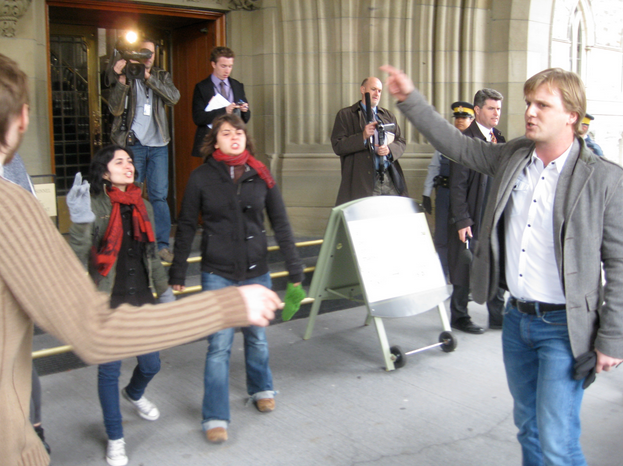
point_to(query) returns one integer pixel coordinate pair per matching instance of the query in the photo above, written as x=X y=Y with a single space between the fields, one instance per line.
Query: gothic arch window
x=577 y=32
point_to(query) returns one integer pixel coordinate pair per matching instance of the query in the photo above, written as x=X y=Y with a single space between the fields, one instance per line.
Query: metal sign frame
x=378 y=251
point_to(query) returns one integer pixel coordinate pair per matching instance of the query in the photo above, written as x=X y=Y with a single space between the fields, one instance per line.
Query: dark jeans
x=216 y=376
x=153 y=162
x=108 y=389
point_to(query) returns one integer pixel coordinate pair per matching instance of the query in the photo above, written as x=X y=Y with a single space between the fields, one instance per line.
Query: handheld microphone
x=369 y=115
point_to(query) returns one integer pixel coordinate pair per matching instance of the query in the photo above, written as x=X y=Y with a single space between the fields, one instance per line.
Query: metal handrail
x=190 y=289
x=302 y=244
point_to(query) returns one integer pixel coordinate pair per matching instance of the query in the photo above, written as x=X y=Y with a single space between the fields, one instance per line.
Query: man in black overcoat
x=468 y=192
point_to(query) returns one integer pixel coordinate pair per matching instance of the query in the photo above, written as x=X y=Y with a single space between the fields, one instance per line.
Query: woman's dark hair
x=207 y=148
x=99 y=167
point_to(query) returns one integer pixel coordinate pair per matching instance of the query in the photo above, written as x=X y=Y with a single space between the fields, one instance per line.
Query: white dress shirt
x=486 y=132
x=531 y=269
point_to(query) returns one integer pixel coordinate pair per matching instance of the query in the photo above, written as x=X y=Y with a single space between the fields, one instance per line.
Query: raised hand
x=79 y=201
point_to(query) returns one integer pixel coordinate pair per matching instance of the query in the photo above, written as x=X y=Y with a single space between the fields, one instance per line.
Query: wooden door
x=191 y=64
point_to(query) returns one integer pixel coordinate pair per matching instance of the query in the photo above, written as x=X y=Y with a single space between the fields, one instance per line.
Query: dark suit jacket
x=204 y=91
x=467 y=198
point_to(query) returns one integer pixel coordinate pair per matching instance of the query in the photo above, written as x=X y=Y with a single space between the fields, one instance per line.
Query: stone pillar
x=28 y=48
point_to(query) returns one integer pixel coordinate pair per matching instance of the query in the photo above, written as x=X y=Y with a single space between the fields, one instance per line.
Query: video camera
x=382 y=128
x=128 y=52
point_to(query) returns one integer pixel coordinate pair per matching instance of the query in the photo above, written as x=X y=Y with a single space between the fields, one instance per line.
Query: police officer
x=437 y=177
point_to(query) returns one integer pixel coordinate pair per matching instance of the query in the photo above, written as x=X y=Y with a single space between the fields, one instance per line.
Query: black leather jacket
x=165 y=93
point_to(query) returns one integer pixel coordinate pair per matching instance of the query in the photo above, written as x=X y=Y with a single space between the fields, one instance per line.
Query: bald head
x=375 y=87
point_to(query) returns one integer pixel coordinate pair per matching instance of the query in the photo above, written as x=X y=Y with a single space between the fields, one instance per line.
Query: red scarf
x=247 y=158
x=111 y=243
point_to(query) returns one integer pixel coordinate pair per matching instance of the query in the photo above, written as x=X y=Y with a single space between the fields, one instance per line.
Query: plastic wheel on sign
x=448 y=342
x=400 y=356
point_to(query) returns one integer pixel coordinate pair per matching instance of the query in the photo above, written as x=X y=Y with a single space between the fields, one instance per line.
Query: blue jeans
x=154 y=162
x=547 y=401
x=216 y=377
x=108 y=389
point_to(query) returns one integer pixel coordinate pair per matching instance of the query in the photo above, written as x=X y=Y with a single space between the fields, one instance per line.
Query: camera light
x=131 y=37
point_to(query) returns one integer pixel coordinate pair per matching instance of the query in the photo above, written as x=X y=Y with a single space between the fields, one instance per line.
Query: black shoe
x=468 y=326
x=495 y=326
x=39 y=431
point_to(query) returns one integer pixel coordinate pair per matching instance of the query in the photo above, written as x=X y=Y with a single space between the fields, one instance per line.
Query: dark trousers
x=460 y=298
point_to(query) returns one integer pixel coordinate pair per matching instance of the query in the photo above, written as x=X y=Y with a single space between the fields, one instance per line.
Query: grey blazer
x=588 y=210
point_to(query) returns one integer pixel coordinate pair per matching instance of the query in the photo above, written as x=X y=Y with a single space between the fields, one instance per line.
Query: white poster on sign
x=395 y=256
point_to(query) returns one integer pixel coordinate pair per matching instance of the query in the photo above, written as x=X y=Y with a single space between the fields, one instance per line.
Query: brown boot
x=265 y=405
x=216 y=435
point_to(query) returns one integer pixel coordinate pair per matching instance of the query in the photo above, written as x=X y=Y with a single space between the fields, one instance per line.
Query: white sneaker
x=115 y=453
x=145 y=408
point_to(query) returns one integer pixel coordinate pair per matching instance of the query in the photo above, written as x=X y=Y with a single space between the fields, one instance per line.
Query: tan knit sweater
x=42 y=281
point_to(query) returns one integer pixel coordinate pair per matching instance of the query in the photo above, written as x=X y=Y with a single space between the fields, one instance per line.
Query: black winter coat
x=234 y=242
x=467 y=197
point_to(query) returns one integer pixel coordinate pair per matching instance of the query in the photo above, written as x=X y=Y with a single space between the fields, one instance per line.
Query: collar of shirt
x=217 y=84
x=365 y=109
x=486 y=132
x=531 y=267
x=558 y=162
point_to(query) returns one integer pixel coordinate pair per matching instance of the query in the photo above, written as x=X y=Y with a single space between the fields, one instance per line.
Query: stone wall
x=301 y=61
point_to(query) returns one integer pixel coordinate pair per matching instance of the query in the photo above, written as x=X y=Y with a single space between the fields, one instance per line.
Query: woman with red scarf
x=231 y=191
x=117 y=244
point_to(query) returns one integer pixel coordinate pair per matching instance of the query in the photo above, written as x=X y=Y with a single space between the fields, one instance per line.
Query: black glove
x=466 y=256
x=584 y=368
x=427 y=205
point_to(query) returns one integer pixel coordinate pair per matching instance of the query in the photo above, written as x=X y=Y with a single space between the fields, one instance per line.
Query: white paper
x=216 y=102
x=46 y=193
x=396 y=256
x=389 y=138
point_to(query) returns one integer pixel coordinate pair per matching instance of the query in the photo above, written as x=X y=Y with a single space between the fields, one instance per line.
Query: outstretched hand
x=261 y=304
x=398 y=83
x=79 y=201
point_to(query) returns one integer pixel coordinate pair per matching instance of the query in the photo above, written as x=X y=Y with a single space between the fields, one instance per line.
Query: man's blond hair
x=569 y=85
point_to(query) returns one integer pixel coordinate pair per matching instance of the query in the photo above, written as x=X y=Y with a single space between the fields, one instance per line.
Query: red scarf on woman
x=111 y=243
x=247 y=158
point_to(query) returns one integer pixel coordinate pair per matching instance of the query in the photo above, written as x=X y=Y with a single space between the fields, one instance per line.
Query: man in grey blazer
x=552 y=221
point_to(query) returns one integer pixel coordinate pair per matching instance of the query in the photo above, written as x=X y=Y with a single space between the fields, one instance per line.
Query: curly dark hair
x=207 y=148
x=99 y=167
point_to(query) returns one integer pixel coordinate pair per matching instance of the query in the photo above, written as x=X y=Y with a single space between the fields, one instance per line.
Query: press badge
x=147 y=110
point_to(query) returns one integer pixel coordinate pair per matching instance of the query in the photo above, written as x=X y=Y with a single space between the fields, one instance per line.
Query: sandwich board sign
x=378 y=250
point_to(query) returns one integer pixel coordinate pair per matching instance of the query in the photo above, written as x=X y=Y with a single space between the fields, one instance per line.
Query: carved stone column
x=10 y=12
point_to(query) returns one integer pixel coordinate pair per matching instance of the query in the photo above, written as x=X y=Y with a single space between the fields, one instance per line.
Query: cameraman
x=368 y=168
x=138 y=104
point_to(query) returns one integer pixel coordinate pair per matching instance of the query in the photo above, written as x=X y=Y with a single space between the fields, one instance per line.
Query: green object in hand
x=293 y=298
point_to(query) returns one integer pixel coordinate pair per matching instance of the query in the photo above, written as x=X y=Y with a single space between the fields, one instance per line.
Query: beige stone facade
x=301 y=61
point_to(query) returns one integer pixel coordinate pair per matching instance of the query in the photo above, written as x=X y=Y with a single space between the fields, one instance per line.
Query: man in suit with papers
x=218 y=94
